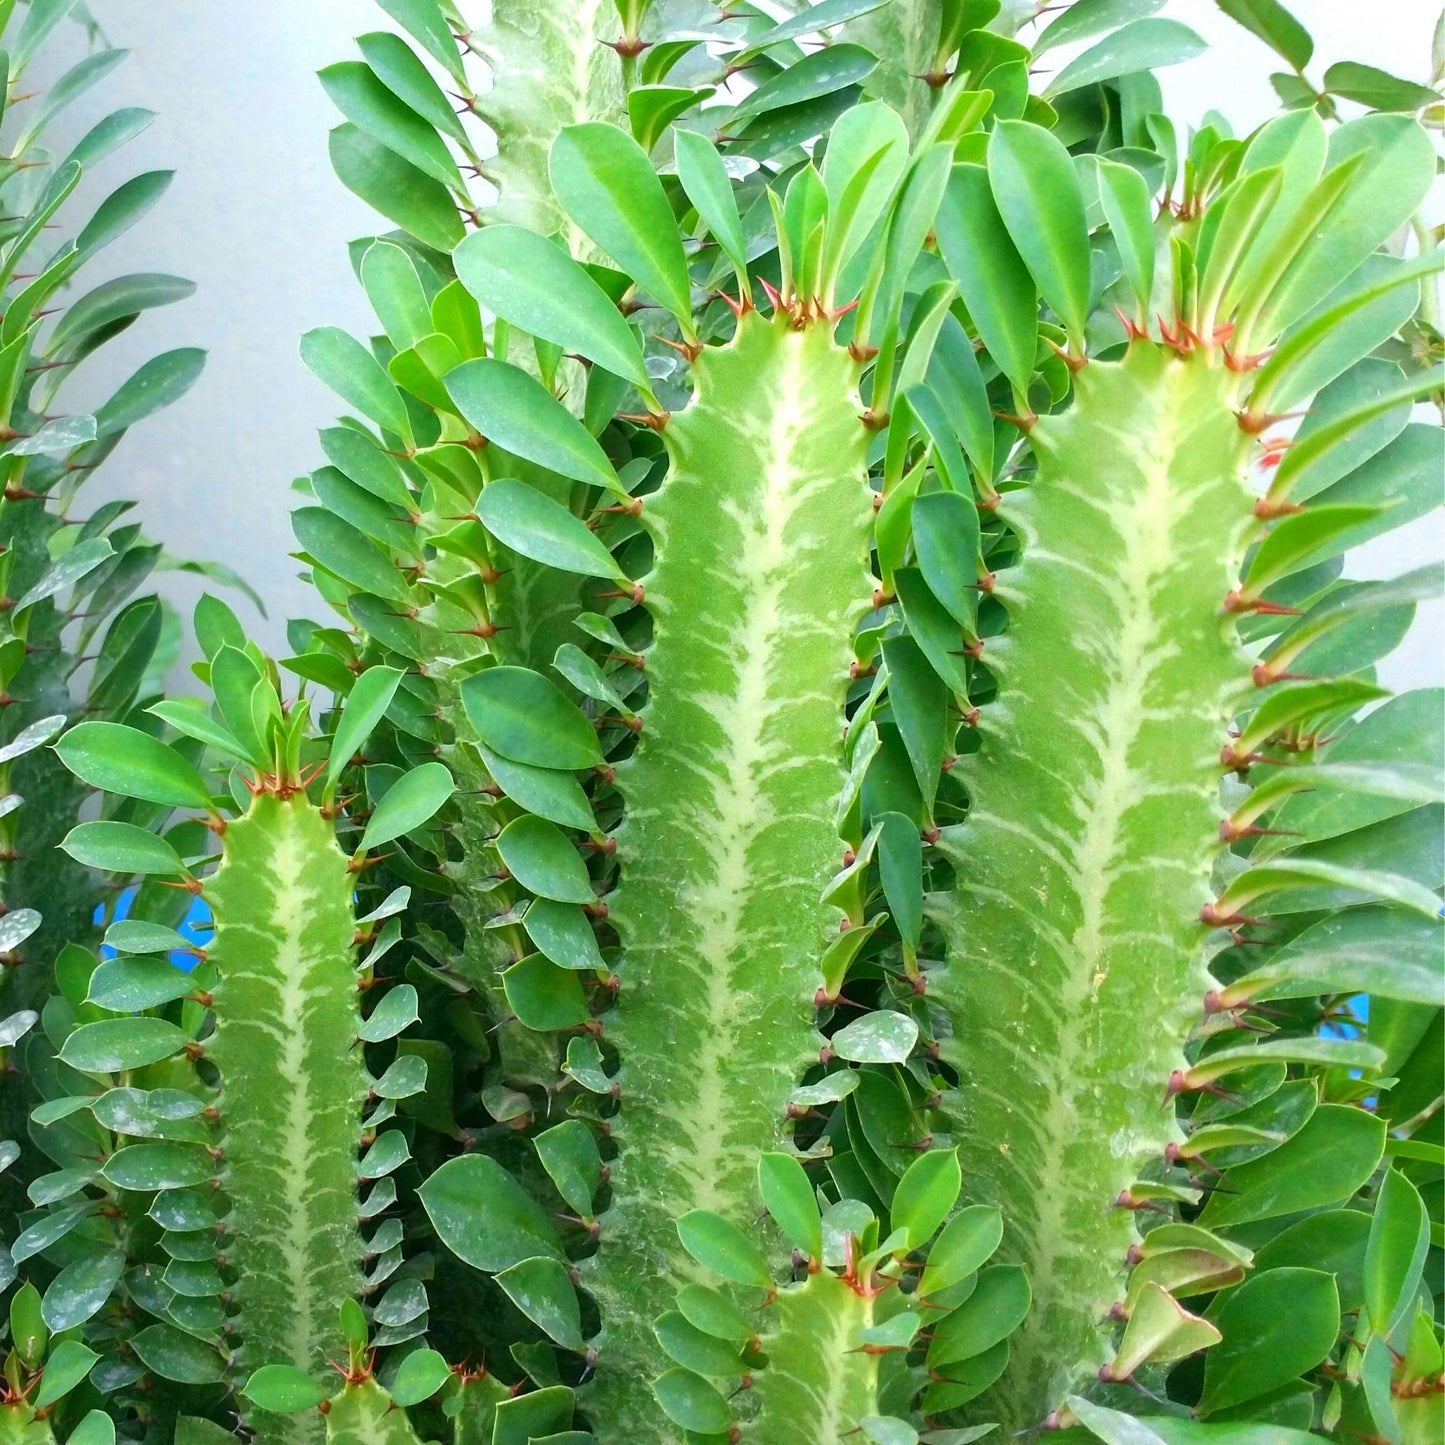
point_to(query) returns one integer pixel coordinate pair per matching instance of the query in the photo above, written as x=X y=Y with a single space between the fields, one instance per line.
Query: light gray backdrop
x=257 y=219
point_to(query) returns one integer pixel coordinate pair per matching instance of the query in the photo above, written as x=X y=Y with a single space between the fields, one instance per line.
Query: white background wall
x=258 y=220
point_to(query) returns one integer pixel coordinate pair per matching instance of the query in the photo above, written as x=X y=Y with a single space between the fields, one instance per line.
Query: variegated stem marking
x=292 y=1086
x=762 y=534
x=1075 y=962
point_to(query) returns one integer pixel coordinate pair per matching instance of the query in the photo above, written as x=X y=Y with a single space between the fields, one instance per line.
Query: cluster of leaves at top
x=850 y=812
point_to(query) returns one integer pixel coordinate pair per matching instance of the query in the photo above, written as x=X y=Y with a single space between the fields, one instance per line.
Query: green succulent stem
x=761 y=530
x=1075 y=948
x=292 y=1085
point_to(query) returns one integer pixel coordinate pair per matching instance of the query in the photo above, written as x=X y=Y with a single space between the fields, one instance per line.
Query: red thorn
x=774 y=296
x=1132 y=329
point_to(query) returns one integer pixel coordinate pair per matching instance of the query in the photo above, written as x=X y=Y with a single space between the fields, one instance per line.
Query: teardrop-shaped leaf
x=691 y=1402
x=606 y=183
x=790 y=1199
x=110 y=1045
x=967 y=1242
x=1124 y=195
x=282 y=1390
x=411 y=801
x=544 y=997
x=542 y=1289
x=722 y=1247
x=1037 y=191
x=132 y=764
x=122 y=848
x=533 y=283
x=544 y=860
x=706 y=183
x=421 y=1374
x=365 y=706
x=338 y=547
x=484 y=1216
x=342 y=363
x=530 y=522
x=127 y=985
x=996 y=286
x=884 y=1037
x=516 y=411
x=522 y=716
x=925 y=1195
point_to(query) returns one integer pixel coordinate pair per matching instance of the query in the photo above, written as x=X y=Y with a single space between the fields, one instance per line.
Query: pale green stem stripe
x=1075 y=966
x=730 y=834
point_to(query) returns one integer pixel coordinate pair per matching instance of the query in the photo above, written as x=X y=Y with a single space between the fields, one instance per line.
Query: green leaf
x=191 y=719
x=122 y=848
x=421 y=1374
x=338 y=547
x=1088 y=17
x=365 y=706
x=569 y=1154
x=64 y=573
x=97 y=1428
x=547 y=792
x=175 y=1355
x=523 y=717
x=1377 y=949
x=789 y=1198
x=406 y=196
x=1038 y=195
x=722 y=1247
x=1378 y=89
x=360 y=96
x=396 y=295
x=1393 y=178
x=1148 y=44
x=406 y=76
x=707 y=185
x=1128 y=208
x=866 y=155
x=67 y=1366
x=530 y=522
x=1395 y=1254
x=1274 y=25
x=542 y=1289
x=543 y=996
x=563 y=933
x=885 y=1037
x=282 y=1390
x=712 y=1312
x=997 y=1306
x=516 y=411
x=926 y=1195
x=534 y=284
x=606 y=183
x=396 y=1011
x=148 y=1167
x=967 y=1241
x=691 y=1403
x=695 y=1349
x=995 y=284
x=110 y=1045
x=132 y=764
x=1336 y=1151
x=342 y=363
x=544 y=860
x=411 y=801
x=484 y=1216
x=27 y=1325
x=1276 y=1326
x=79 y=1292
x=128 y=985
x=426 y=22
